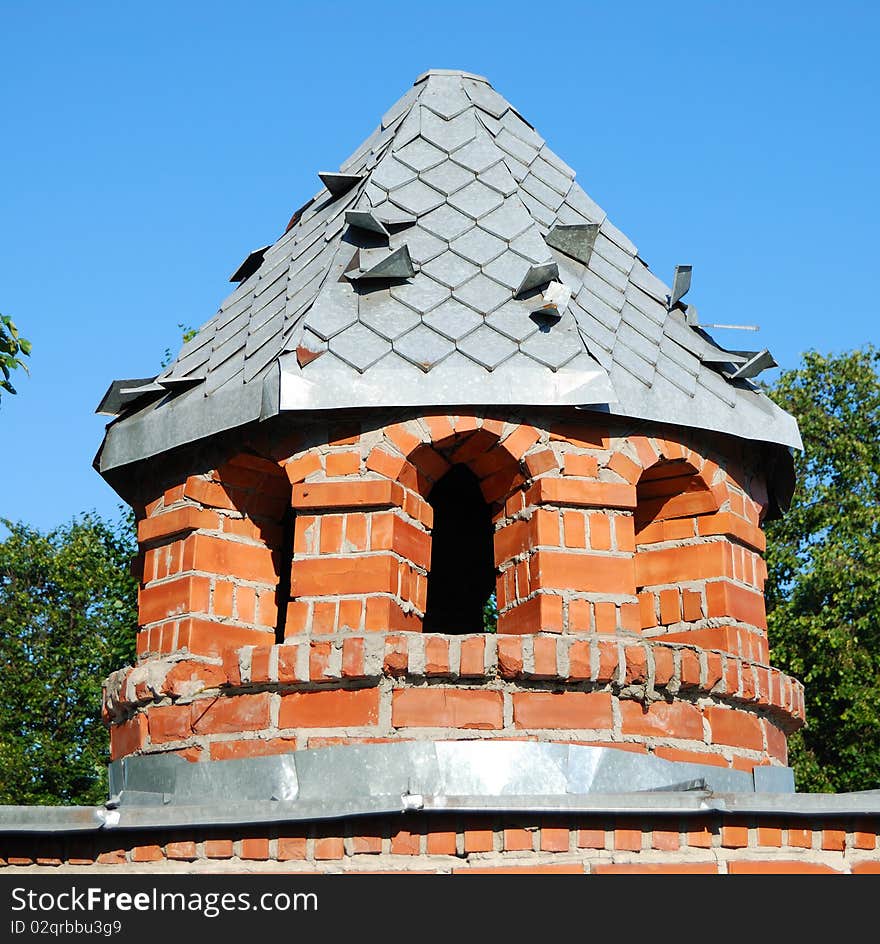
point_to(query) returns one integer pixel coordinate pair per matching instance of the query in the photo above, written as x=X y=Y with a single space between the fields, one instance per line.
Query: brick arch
x=494 y=450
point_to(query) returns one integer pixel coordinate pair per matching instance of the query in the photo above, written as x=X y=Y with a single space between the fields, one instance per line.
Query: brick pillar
x=211 y=555
x=699 y=554
x=360 y=561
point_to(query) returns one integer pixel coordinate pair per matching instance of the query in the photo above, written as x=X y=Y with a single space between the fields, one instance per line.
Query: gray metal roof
x=451 y=260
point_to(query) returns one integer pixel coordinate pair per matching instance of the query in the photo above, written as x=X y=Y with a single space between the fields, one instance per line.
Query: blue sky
x=147 y=148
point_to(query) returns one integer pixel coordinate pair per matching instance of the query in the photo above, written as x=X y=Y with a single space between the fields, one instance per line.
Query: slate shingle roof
x=413 y=277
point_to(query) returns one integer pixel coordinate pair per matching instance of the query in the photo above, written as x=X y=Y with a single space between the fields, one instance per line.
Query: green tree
x=12 y=345
x=68 y=614
x=823 y=558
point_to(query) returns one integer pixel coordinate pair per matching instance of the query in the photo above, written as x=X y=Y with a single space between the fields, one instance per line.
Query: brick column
x=211 y=554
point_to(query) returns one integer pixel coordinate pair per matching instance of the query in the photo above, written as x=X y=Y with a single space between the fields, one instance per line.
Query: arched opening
x=671 y=489
x=462 y=574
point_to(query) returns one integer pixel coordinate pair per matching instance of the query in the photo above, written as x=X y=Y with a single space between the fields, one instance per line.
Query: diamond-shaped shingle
x=453 y=319
x=476 y=200
x=422 y=294
x=450 y=269
x=391 y=173
x=420 y=155
x=479 y=246
x=423 y=347
x=508 y=221
x=446 y=222
x=482 y=294
x=513 y=320
x=416 y=197
x=448 y=177
x=478 y=155
x=487 y=347
x=385 y=315
x=509 y=269
x=553 y=348
x=359 y=346
x=448 y=135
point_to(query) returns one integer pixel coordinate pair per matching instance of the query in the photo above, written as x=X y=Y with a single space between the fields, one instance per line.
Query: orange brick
x=291 y=847
x=189 y=518
x=554 y=839
x=580 y=493
x=662 y=719
x=727 y=599
x=366 y=845
x=656 y=868
x=330 y=847
x=145 y=854
x=776 y=867
x=216 y=555
x=670 y=611
x=591 y=839
x=218 y=848
x=574 y=529
x=174 y=598
x=230 y=714
x=628 y=840
x=473 y=656
x=510 y=658
x=182 y=851
x=555 y=570
x=735 y=728
x=436 y=655
x=734 y=837
x=562 y=710
x=404 y=842
x=378 y=493
x=521 y=840
x=542 y=613
x=478 y=840
x=834 y=840
x=581 y=466
x=334 y=575
x=600 y=532
x=446 y=707
x=440 y=843
x=329 y=709
x=342 y=463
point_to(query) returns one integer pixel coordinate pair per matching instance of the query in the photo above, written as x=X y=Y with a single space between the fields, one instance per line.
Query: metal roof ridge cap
x=452 y=72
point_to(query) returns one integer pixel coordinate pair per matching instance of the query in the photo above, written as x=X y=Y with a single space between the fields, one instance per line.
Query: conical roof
x=451 y=260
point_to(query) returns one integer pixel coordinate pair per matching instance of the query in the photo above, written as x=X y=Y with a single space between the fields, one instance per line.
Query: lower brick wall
x=445 y=843
x=676 y=701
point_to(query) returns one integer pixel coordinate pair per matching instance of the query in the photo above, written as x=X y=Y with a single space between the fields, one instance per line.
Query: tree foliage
x=823 y=557
x=12 y=346
x=68 y=615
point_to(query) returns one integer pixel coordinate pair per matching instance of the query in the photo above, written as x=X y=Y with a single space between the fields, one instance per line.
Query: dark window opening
x=285 y=553
x=462 y=575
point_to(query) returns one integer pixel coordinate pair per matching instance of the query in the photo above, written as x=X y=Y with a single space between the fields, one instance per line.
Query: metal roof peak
x=453 y=259
x=452 y=72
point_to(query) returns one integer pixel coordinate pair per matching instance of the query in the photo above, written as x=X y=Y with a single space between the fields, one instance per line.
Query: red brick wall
x=633 y=558
x=594 y=844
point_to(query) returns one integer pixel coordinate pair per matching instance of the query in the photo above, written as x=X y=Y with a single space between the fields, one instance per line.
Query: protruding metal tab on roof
x=554 y=301
x=119 y=394
x=575 y=240
x=364 y=219
x=180 y=383
x=756 y=363
x=537 y=275
x=249 y=266
x=681 y=283
x=337 y=183
x=383 y=264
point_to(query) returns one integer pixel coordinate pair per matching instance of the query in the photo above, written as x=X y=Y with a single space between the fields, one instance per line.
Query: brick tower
x=450 y=389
